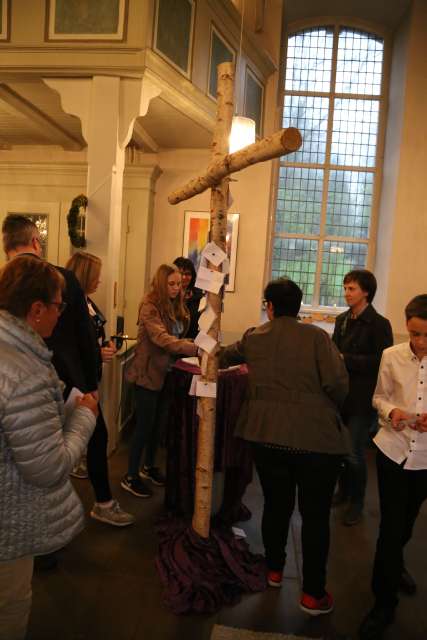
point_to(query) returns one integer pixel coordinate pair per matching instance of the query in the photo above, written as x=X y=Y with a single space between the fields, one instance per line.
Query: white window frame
x=336 y=24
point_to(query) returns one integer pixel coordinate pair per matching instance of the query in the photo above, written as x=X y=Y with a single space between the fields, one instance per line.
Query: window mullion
x=323 y=211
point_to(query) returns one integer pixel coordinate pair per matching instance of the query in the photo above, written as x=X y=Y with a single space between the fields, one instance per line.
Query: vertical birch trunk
x=218 y=210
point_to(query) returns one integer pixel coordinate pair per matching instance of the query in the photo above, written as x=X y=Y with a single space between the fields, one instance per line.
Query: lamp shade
x=242 y=133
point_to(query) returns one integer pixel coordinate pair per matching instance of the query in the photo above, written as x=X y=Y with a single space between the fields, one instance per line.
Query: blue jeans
x=355 y=473
x=151 y=415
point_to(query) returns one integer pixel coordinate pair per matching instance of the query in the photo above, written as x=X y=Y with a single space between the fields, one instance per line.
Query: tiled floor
x=107 y=588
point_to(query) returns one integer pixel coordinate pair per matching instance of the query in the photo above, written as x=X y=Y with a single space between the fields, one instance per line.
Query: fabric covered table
x=232 y=455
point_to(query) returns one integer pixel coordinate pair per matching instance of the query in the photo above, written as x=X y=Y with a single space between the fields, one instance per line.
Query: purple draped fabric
x=200 y=575
x=232 y=455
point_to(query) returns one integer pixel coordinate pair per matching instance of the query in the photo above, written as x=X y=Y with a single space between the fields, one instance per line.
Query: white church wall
x=402 y=254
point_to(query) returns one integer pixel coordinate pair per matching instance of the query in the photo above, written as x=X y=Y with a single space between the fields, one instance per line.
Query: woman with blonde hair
x=163 y=320
x=39 y=444
x=87 y=269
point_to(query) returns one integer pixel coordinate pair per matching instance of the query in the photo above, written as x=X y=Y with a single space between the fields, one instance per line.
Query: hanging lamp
x=242 y=128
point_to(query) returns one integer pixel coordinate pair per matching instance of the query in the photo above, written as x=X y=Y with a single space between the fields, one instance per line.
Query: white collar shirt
x=402 y=382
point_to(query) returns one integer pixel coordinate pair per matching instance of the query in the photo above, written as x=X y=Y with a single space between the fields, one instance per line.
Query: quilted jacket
x=39 y=509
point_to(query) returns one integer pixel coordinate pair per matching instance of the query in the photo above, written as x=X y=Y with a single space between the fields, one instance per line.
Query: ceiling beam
x=143 y=139
x=50 y=128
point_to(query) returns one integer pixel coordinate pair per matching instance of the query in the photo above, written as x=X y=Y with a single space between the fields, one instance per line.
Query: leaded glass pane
x=359 y=63
x=296 y=258
x=309 y=114
x=349 y=203
x=309 y=60
x=338 y=258
x=299 y=200
x=354 y=132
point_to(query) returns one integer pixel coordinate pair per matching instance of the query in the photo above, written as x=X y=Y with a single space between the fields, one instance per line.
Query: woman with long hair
x=87 y=269
x=39 y=443
x=163 y=320
x=192 y=295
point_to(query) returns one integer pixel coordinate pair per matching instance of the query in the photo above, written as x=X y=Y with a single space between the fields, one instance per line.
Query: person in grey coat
x=39 y=509
x=297 y=383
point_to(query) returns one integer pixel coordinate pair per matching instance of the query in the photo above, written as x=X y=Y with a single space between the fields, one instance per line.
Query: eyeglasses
x=59 y=305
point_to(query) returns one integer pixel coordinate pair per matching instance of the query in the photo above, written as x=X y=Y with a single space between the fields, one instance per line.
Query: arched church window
x=327 y=191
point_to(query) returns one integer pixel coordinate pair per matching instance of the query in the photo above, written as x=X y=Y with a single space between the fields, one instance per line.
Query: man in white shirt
x=401 y=401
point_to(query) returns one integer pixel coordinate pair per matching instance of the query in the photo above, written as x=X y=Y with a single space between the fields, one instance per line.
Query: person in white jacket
x=401 y=401
x=39 y=509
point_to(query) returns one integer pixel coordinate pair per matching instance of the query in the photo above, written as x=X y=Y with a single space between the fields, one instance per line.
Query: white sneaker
x=113 y=515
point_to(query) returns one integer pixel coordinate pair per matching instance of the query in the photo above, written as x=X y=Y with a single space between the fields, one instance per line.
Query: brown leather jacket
x=155 y=346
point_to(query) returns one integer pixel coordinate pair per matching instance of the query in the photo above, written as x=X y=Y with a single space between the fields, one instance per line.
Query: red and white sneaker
x=316 y=606
x=274 y=578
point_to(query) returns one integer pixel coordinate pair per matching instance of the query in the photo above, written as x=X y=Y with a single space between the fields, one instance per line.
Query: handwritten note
x=194 y=381
x=205 y=342
x=205 y=389
x=206 y=319
x=214 y=254
x=209 y=280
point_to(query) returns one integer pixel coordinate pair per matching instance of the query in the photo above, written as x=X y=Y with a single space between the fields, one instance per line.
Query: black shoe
x=407 y=584
x=136 y=487
x=48 y=562
x=353 y=514
x=154 y=474
x=375 y=623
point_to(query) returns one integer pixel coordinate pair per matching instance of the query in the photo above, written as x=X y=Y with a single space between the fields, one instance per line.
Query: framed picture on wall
x=220 y=51
x=253 y=106
x=83 y=20
x=173 y=32
x=196 y=236
x=46 y=217
x=4 y=20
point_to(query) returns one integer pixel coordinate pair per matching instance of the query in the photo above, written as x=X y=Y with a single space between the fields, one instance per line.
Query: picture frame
x=253 y=104
x=173 y=33
x=196 y=236
x=220 y=51
x=75 y=20
x=46 y=216
x=4 y=20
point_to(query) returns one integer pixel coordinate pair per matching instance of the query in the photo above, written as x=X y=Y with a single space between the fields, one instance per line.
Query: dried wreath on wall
x=77 y=221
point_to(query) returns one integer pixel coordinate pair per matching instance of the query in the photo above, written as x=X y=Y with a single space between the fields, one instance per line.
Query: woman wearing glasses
x=40 y=511
x=87 y=269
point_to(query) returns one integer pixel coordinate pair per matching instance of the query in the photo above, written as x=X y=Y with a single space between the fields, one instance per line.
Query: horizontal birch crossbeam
x=279 y=144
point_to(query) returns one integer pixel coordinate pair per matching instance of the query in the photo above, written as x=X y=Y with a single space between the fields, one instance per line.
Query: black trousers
x=314 y=475
x=97 y=462
x=402 y=493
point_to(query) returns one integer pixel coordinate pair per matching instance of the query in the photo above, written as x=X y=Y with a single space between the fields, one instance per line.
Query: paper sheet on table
x=209 y=280
x=191 y=360
x=194 y=381
x=205 y=342
x=214 y=254
x=70 y=404
x=206 y=319
x=205 y=389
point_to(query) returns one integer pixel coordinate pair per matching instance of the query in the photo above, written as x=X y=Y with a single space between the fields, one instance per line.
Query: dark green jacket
x=297 y=384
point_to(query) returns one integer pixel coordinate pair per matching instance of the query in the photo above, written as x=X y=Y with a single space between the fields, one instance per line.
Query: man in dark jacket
x=74 y=355
x=361 y=334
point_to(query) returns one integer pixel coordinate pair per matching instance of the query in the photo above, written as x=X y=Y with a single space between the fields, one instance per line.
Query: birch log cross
x=217 y=179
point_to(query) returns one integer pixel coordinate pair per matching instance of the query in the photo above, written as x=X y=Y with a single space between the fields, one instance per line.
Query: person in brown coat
x=163 y=320
x=297 y=383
